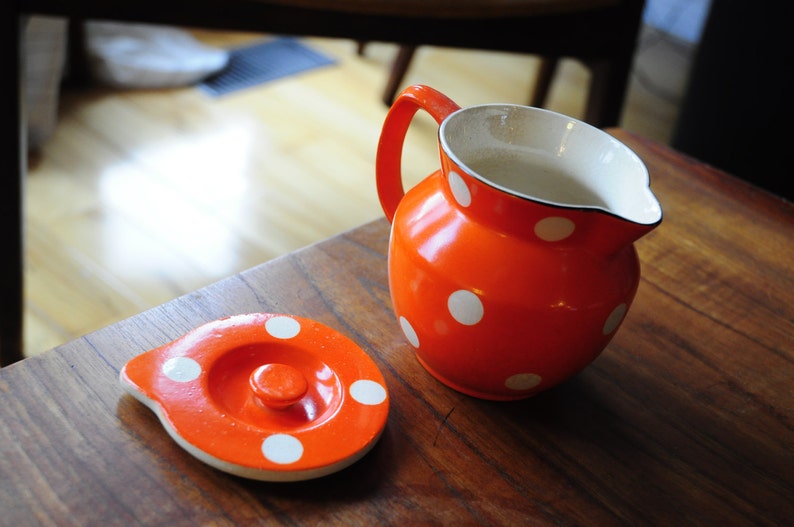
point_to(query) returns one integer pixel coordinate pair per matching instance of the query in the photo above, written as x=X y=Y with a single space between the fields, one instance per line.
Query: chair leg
x=545 y=74
x=610 y=76
x=608 y=87
x=398 y=70
x=11 y=197
x=78 y=74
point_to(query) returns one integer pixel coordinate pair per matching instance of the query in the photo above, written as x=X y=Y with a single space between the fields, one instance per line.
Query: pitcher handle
x=388 y=162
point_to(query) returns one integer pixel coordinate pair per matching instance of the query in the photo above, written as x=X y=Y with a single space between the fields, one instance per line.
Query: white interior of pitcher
x=547 y=156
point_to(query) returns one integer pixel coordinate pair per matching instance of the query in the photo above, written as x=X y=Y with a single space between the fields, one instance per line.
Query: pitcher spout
x=627 y=208
x=613 y=229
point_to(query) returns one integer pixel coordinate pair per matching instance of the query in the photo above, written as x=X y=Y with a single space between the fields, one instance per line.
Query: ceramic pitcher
x=512 y=267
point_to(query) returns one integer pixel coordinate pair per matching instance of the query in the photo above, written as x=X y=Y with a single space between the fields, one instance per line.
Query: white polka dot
x=465 y=307
x=614 y=318
x=181 y=369
x=368 y=392
x=460 y=191
x=554 y=228
x=282 y=449
x=408 y=331
x=523 y=381
x=282 y=327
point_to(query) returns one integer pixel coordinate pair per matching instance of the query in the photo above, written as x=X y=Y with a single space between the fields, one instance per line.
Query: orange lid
x=264 y=396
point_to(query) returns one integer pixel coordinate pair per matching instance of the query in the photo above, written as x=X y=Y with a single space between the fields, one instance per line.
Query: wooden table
x=687 y=418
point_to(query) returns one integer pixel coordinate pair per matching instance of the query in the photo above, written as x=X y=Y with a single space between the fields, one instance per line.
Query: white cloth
x=148 y=56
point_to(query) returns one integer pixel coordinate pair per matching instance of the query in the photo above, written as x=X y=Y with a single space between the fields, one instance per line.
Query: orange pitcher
x=512 y=267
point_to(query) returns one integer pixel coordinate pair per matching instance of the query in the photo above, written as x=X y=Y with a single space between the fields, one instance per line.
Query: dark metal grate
x=253 y=65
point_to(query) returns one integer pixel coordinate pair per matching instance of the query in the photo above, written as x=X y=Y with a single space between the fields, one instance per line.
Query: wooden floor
x=142 y=196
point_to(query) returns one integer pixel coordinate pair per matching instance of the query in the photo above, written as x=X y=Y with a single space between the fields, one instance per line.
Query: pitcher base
x=470 y=392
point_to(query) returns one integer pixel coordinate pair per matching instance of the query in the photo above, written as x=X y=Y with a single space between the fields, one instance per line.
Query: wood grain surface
x=685 y=419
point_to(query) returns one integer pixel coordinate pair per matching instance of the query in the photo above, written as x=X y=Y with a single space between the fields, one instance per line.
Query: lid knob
x=278 y=386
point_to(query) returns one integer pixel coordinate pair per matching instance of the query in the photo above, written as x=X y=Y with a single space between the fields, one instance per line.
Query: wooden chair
x=606 y=95
x=402 y=62
x=600 y=33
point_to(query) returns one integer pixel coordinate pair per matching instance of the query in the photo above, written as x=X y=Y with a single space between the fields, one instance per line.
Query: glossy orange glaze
x=500 y=294
x=264 y=396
